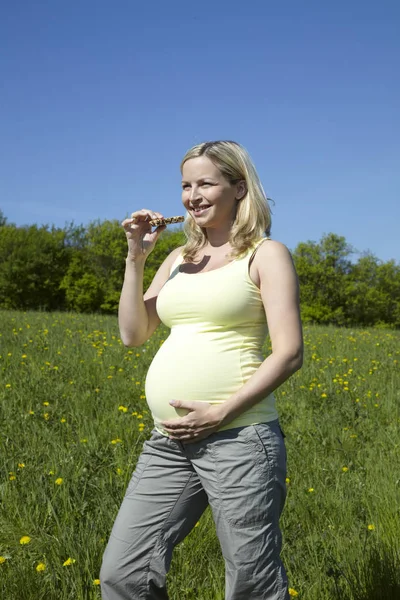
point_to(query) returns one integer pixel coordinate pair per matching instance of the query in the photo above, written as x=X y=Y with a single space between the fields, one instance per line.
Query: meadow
x=73 y=419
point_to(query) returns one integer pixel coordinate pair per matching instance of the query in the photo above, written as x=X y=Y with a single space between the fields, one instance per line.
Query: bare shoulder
x=270 y=254
x=272 y=249
x=271 y=260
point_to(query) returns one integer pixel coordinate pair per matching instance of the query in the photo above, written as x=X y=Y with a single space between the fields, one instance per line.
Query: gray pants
x=241 y=474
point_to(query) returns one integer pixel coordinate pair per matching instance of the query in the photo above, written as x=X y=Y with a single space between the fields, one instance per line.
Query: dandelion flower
x=371 y=527
x=293 y=593
x=287 y=480
x=123 y=408
x=345 y=469
x=21 y=465
x=96 y=581
x=310 y=490
x=2 y=559
x=68 y=562
x=25 y=540
x=58 y=481
x=40 y=567
x=116 y=441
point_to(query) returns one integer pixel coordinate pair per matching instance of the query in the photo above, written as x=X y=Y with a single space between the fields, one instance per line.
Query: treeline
x=81 y=269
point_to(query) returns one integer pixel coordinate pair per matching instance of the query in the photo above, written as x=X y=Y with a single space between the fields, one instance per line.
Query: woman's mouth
x=200 y=210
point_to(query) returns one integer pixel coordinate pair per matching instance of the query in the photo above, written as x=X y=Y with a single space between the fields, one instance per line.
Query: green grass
x=340 y=415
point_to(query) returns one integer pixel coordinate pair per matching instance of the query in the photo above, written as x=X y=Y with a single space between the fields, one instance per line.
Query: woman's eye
x=205 y=183
x=185 y=186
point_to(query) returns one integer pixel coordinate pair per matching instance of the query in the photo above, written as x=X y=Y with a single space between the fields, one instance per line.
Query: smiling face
x=207 y=195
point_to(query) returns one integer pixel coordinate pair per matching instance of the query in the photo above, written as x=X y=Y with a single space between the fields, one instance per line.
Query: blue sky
x=99 y=101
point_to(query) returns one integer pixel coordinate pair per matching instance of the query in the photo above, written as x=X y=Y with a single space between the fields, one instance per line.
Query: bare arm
x=280 y=295
x=137 y=315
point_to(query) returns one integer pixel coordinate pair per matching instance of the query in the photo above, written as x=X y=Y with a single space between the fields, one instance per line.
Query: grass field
x=73 y=420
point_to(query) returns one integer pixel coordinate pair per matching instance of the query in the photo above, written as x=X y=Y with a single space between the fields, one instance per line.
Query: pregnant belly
x=191 y=370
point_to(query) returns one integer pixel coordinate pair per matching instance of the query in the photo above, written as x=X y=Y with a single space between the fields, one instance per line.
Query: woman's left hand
x=202 y=420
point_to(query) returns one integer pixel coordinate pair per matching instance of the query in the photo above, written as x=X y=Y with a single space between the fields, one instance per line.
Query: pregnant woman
x=216 y=438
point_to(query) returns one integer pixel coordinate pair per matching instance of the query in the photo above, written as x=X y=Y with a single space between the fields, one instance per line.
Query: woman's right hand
x=141 y=240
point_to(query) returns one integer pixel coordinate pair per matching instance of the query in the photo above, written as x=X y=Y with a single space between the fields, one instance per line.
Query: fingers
x=140 y=217
x=145 y=215
x=185 y=437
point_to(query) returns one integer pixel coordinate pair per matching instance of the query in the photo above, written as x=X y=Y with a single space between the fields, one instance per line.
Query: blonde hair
x=253 y=215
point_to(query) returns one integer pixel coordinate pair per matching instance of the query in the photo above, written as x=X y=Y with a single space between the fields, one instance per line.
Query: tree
x=322 y=269
x=32 y=263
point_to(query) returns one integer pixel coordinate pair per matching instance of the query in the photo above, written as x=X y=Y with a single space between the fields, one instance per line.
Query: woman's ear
x=241 y=189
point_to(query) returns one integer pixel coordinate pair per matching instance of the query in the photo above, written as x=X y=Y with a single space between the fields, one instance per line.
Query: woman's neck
x=216 y=238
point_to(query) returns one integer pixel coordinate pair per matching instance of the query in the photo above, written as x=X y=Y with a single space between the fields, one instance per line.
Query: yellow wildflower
x=40 y=567
x=2 y=559
x=58 y=481
x=371 y=527
x=96 y=581
x=310 y=490
x=68 y=562
x=122 y=408
x=25 y=540
x=293 y=593
x=345 y=469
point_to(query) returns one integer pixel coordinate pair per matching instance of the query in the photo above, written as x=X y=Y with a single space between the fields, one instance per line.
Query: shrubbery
x=81 y=269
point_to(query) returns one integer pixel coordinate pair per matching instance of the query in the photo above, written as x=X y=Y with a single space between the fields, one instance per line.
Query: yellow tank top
x=218 y=328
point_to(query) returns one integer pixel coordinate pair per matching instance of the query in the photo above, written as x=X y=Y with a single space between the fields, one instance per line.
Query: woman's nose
x=194 y=193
